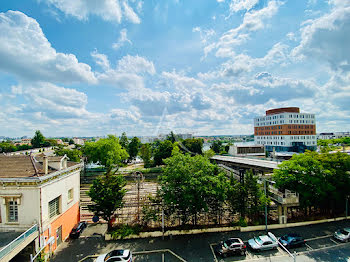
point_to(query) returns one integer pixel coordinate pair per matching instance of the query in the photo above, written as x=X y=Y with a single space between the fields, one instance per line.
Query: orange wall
x=67 y=220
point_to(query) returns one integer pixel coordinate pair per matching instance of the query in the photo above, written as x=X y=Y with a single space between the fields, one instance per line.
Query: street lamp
x=346 y=206
x=265 y=205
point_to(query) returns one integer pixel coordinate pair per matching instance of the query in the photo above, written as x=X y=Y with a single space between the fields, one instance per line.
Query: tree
x=38 y=139
x=192 y=145
x=133 y=147
x=216 y=146
x=107 y=152
x=72 y=154
x=146 y=154
x=107 y=194
x=163 y=151
x=209 y=153
x=190 y=185
x=322 y=180
x=124 y=141
x=71 y=142
x=171 y=137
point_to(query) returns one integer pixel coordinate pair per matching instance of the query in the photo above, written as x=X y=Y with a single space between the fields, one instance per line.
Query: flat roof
x=8 y=237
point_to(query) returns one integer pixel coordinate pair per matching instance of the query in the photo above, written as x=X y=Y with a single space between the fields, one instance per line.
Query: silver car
x=265 y=242
x=342 y=234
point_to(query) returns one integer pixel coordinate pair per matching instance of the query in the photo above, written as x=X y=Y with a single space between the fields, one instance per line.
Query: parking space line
x=249 y=255
x=212 y=250
x=335 y=242
x=308 y=246
x=315 y=238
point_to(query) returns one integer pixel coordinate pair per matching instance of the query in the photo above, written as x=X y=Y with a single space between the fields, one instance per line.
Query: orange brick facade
x=291 y=129
x=67 y=220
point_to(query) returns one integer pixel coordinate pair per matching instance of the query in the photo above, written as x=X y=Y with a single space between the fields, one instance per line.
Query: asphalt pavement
x=320 y=246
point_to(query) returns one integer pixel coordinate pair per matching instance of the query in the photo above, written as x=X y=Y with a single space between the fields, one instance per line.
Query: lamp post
x=265 y=205
x=346 y=206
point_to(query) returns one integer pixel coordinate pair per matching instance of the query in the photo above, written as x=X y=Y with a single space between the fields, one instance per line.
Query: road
x=320 y=246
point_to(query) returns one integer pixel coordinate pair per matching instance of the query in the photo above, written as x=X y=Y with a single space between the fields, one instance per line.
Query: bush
x=242 y=222
x=125 y=230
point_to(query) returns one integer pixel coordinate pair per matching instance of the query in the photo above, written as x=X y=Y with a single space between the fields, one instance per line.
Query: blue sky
x=94 y=67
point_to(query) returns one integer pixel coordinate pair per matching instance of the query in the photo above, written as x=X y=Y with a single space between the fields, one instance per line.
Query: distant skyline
x=147 y=67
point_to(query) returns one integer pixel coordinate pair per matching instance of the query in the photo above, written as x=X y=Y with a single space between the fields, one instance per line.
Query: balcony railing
x=16 y=242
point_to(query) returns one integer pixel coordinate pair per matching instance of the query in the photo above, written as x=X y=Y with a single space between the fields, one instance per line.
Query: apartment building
x=286 y=130
x=38 y=191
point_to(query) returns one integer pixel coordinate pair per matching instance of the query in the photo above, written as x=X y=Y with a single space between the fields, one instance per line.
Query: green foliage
x=171 y=137
x=107 y=194
x=38 y=139
x=216 y=146
x=242 y=222
x=7 y=147
x=192 y=145
x=124 y=141
x=162 y=151
x=71 y=142
x=124 y=231
x=209 y=153
x=133 y=147
x=146 y=154
x=150 y=212
x=246 y=198
x=190 y=185
x=322 y=180
x=72 y=154
x=107 y=152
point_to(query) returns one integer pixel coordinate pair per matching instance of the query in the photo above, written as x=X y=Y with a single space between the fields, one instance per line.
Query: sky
x=206 y=67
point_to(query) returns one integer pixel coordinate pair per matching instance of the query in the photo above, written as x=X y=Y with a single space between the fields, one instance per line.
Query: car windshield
x=344 y=232
x=258 y=240
x=225 y=245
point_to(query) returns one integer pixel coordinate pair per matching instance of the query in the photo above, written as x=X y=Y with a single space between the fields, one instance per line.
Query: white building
x=286 y=129
x=42 y=191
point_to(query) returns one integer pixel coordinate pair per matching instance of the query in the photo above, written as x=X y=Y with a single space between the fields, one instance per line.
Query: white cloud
x=238 y=5
x=327 y=38
x=130 y=14
x=123 y=38
x=136 y=64
x=252 y=21
x=108 y=10
x=55 y=102
x=26 y=52
x=128 y=72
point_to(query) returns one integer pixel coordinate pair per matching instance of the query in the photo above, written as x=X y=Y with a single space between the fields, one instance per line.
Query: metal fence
x=11 y=246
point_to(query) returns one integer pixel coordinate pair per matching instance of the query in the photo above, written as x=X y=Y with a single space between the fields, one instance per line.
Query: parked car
x=77 y=229
x=265 y=242
x=231 y=246
x=291 y=240
x=342 y=234
x=119 y=255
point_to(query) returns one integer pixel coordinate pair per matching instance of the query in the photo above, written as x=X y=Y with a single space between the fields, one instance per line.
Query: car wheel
x=224 y=255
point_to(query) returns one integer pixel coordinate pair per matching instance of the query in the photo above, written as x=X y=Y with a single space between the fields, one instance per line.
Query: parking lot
x=319 y=247
x=319 y=243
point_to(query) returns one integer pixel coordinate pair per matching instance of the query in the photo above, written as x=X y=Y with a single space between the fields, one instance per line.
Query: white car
x=116 y=255
x=342 y=234
x=265 y=242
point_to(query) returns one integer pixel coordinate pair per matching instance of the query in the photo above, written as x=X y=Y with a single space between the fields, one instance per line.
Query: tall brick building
x=286 y=129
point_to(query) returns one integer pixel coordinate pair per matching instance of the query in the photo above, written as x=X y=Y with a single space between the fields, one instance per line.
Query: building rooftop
x=8 y=237
x=15 y=166
x=283 y=110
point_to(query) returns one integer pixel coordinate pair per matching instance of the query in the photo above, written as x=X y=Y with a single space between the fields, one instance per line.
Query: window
x=70 y=194
x=54 y=207
x=12 y=207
